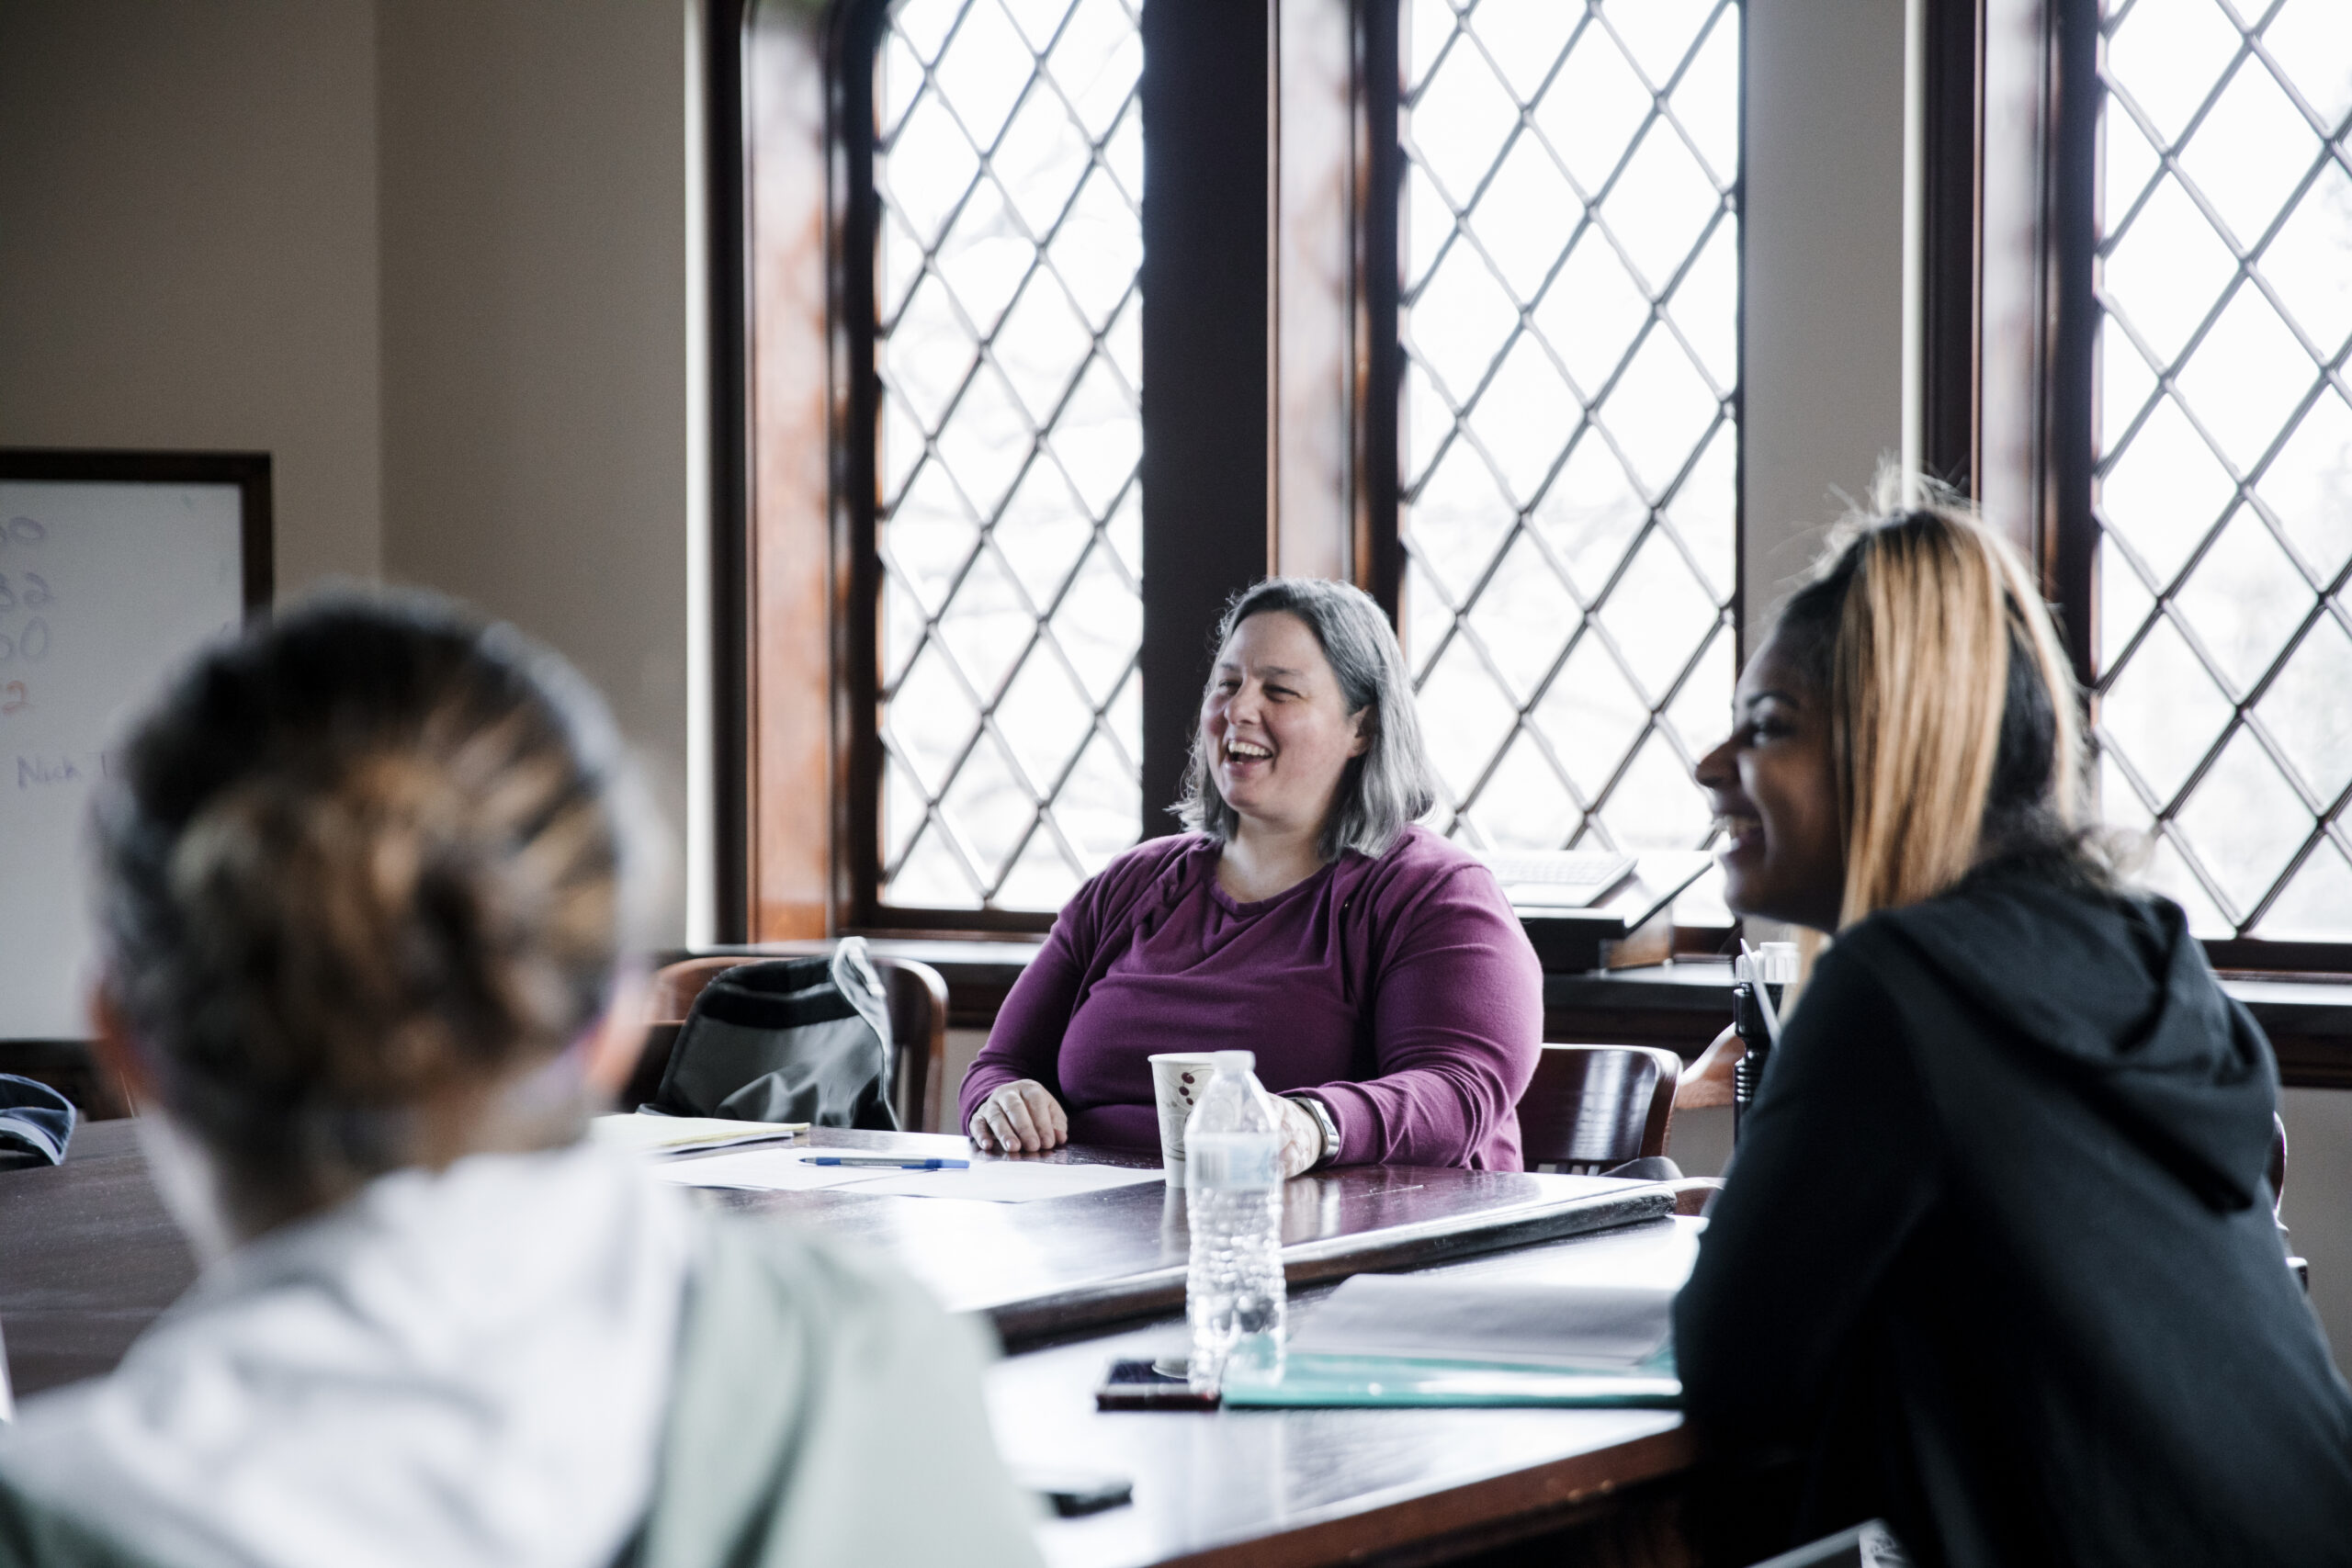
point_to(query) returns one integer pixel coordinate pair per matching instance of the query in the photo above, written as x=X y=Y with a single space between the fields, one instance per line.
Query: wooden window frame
x=793 y=400
x=1270 y=402
x=2010 y=319
x=1381 y=85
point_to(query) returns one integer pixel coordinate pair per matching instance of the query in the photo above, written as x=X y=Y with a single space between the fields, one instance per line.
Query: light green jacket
x=824 y=1411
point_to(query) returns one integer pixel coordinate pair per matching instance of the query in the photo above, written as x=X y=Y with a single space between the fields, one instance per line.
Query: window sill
x=2308 y=1021
x=1682 y=1005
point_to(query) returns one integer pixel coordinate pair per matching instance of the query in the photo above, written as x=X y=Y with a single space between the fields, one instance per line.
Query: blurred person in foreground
x=368 y=879
x=1995 y=1261
x=1377 y=971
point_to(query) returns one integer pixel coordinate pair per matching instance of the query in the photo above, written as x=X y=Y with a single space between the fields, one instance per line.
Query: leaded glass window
x=1569 y=431
x=2224 y=470
x=1008 y=172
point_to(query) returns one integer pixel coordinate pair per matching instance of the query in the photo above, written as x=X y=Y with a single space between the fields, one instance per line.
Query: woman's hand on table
x=1302 y=1138
x=1022 y=1118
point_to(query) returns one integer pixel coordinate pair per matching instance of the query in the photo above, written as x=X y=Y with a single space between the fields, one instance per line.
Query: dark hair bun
x=369 y=850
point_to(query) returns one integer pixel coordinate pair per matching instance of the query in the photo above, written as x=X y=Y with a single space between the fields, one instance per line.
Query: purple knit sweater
x=1401 y=991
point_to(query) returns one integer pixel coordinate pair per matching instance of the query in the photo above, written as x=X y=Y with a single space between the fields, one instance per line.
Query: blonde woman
x=1996 y=1262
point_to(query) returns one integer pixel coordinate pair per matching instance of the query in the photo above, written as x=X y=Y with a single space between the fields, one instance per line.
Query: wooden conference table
x=88 y=1257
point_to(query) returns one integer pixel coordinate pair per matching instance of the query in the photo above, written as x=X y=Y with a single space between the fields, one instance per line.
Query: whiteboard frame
x=249 y=471
x=54 y=1061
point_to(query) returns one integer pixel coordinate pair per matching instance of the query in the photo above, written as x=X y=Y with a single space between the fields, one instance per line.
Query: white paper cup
x=1178 y=1077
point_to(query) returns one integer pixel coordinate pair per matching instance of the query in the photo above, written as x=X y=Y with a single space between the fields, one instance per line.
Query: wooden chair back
x=918 y=994
x=1591 y=1107
x=918 y=1002
x=676 y=986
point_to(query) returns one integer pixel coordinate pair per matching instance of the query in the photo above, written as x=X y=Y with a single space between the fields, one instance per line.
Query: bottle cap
x=1778 y=962
x=1236 y=1061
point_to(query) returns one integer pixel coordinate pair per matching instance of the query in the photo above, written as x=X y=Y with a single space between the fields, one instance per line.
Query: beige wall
x=429 y=254
x=534 y=260
x=2318 y=1209
x=188 y=246
x=1824 y=305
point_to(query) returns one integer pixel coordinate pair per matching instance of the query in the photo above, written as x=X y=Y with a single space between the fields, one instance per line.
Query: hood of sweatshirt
x=2112 y=994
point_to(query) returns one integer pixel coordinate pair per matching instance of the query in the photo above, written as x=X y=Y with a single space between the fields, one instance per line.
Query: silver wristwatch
x=1324 y=1125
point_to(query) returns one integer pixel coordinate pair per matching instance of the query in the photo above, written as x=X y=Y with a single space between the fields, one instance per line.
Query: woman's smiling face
x=1774 y=786
x=1275 y=725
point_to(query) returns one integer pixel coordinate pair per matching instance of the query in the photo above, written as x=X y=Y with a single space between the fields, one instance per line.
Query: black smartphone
x=1073 y=1493
x=1138 y=1386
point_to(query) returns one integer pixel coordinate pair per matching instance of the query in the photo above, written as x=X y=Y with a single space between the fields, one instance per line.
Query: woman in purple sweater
x=1376 y=970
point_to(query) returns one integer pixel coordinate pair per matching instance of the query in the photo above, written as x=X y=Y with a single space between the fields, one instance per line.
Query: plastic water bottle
x=1233 y=1187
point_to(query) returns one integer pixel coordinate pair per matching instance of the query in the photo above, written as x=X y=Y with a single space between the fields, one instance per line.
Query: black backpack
x=788 y=1040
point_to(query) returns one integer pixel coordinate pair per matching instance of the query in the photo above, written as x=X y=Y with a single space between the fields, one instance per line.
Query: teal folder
x=1317 y=1380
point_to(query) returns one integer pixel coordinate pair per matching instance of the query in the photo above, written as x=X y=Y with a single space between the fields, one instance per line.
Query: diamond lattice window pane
x=2306 y=262
x=2312 y=40
x=2309 y=486
x=2306 y=709
x=1523 y=799
x=2224 y=498
x=2233 y=600
x=1592 y=718
x=2232 y=157
x=1570 y=321
x=2308 y=910
x=1007 y=172
x=1525 y=597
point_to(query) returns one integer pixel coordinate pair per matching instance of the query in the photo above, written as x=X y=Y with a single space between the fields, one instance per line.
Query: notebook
x=677 y=1134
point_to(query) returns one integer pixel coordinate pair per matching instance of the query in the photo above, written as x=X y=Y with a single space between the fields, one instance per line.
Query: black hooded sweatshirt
x=1995 y=1261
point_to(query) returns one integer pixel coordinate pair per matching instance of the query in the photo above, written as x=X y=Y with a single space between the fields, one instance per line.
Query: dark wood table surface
x=88 y=1257
x=1064 y=1266
x=1291 y=1488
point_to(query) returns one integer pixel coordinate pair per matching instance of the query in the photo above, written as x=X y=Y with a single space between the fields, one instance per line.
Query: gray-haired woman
x=1376 y=969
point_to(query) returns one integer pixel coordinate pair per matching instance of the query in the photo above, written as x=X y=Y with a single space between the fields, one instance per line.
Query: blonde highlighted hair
x=1954 y=725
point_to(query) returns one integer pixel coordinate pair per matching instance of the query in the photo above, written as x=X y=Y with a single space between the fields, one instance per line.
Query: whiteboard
x=105 y=591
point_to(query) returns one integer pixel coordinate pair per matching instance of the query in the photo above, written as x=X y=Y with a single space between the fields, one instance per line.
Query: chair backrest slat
x=676 y=986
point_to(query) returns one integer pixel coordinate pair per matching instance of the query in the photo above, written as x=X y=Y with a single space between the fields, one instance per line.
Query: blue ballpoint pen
x=892 y=1162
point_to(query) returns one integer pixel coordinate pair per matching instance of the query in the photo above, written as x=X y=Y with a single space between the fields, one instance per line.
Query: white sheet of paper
x=1520 y=1321
x=666 y=1135
x=1009 y=1181
x=765 y=1170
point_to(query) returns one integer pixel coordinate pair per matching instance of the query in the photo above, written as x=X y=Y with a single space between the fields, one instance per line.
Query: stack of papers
x=1441 y=1339
x=1519 y=1322
x=672 y=1135
x=984 y=1181
x=764 y=1170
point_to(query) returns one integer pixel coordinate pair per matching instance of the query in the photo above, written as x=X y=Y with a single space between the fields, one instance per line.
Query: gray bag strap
x=860 y=985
